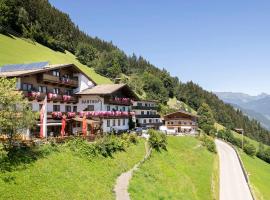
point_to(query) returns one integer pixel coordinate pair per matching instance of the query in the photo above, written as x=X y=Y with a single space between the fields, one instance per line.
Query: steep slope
x=16 y=50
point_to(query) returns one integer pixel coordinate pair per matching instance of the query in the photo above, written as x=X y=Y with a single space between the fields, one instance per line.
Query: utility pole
x=243 y=139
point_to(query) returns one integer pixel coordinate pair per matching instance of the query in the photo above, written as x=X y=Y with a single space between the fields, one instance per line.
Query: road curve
x=233 y=185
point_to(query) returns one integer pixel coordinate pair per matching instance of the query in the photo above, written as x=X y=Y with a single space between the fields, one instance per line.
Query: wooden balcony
x=141 y=107
x=70 y=82
x=148 y=116
x=31 y=95
x=70 y=99
x=55 y=97
x=50 y=78
x=117 y=102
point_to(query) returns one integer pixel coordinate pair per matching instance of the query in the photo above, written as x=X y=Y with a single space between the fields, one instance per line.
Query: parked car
x=144 y=130
x=138 y=130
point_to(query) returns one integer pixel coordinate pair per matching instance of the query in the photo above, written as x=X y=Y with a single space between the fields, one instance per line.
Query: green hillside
x=64 y=175
x=258 y=172
x=185 y=171
x=14 y=50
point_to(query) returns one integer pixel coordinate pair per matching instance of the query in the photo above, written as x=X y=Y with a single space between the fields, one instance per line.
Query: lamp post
x=242 y=139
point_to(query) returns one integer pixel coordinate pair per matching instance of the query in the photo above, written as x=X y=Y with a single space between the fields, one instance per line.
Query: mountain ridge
x=256 y=107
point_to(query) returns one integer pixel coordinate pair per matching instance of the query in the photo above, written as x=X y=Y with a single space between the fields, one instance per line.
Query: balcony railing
x=148 y=116
x=32 y=95
x=55 y=97
x=118 y=101
x=70 y=99
x=106 y=114
x=40 y=96
x=141 y=107
x=59 y=115
x=60 y=80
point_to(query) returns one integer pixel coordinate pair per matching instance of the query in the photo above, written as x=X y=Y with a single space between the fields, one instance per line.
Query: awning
x=88 y=121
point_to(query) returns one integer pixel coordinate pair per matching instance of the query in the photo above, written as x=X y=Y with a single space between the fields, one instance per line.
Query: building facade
x=111 y=103
x=146 y=114
x=71 y=93
x=181 y=122
x=59 y=83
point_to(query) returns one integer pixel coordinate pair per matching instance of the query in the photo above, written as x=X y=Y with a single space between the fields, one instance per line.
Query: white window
x=108 y=108
x=56 y=90
x=27 y=87
x=68 y=108
x=42 y=89
x=119 y=122
x=113 y=122
x=108 y=123
x=56 y=108
x=124 y=122
x=56 y=73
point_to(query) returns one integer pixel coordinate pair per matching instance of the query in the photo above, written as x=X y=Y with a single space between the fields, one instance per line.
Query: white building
x=110 y=103
x=146 y=114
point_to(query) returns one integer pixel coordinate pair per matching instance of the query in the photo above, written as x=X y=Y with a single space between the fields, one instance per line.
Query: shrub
x=157 y=140
x=3 y=152
x=249 y=149
x=209 y=143
x=82 y=148
x=263 y=153
x=220 y=134
x=110 y=144
x=130 y=138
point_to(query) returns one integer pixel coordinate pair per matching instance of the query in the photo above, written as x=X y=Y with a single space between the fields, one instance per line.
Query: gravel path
x=122 y=182
x=233 y=185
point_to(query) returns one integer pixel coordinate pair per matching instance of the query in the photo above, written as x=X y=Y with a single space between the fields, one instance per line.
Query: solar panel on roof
x=21 y=67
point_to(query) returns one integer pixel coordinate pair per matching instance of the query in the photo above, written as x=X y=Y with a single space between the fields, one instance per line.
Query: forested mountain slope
x=38 y=20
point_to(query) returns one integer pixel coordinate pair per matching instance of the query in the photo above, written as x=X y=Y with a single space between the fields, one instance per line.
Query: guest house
x=181 y=123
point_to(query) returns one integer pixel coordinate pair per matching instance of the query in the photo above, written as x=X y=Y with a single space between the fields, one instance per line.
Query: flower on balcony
x=66 y=98
x=52 y=96
x=71 y=114
x=121 y=100
x=34 y=95
x=132 y=113
x=57 y=115
x=89 y=114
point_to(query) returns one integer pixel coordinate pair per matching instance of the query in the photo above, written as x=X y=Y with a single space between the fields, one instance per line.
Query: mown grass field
x=14 y=50
x=259 y=175
x=62 y=175
x=186 y=171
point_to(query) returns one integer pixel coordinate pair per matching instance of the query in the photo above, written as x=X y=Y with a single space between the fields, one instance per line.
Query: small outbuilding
x=181 y=123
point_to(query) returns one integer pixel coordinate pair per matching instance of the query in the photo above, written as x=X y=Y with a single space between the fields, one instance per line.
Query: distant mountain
x=257 y=107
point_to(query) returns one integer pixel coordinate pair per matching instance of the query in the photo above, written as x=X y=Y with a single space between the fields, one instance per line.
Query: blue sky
x=221 y=45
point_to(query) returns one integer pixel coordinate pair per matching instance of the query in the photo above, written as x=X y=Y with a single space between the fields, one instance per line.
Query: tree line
x=43 y=23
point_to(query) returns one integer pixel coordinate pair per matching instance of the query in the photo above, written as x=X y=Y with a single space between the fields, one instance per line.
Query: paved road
x=233 y=185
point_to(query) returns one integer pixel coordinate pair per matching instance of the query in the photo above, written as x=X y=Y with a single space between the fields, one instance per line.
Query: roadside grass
x=237 y=135
x=259 y=175
x=14 y=50
x=62 y=175
x=184 y=171
x=215 y=178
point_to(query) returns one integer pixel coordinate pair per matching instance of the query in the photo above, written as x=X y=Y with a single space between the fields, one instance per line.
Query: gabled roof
x=181 y=112
x=106 y=89
x=18 y=70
